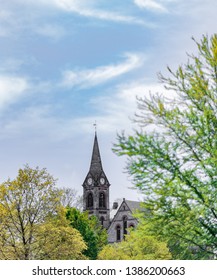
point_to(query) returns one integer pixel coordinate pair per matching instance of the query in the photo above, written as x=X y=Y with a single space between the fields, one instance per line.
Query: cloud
x=112 y=113
x=9 y=64
x=119 y=106
x=150 y=5
x=84 y=8
x=11 y=89
x=93 y=77
x=5 y=22
x=51 y=31
x=5 y=15
x=21 y=16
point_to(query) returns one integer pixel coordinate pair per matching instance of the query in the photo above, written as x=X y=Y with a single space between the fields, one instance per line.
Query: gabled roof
x=132 y=205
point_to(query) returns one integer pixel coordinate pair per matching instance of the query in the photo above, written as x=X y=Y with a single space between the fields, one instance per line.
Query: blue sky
x=65 y=64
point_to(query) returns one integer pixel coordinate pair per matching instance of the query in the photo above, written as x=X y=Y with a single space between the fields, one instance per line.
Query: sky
x=66 y=64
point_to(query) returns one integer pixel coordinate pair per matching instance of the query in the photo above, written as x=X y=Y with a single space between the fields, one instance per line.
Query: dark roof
x=96 y=163
x=133 y=205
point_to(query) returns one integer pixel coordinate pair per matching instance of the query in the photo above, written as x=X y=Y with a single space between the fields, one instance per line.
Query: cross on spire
x=95 y=126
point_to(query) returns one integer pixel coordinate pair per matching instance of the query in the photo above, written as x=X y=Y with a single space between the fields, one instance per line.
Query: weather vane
x=95 y=126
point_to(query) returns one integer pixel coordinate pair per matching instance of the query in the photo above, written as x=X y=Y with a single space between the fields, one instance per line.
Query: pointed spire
x=96 y=164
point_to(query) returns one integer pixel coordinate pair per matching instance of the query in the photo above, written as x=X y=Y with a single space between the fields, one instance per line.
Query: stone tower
x=96 y=188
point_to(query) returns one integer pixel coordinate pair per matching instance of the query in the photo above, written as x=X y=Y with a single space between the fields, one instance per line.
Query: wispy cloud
x=114 y=111
x=84 y=8
x=11 y=89
x=21 y=15
x=88 y=8
x=92 y=77
x=150 y=5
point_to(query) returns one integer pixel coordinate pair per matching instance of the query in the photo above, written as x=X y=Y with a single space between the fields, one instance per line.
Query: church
x=116 y=219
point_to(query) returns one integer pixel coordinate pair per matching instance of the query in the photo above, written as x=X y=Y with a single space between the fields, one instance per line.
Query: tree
x=70 y=198
x=93 y=233
x=136 y=246
x=174 y=163
x=57 y=240
x=112 y=252
x=25 y=203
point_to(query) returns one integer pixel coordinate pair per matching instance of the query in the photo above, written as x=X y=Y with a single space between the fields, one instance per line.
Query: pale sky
x=65 y=64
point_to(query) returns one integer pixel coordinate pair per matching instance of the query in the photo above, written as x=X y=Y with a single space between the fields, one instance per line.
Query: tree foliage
x=24 y=203
x=136 y=246
x=93 y=233
x=70 y=198
x=57 y=240
x=174 y=162
x=31 y=226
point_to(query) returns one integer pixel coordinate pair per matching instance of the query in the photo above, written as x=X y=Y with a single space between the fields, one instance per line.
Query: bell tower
x=96 y=188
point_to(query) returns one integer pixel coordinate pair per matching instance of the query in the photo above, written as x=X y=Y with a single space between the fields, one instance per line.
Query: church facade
x=96 y=187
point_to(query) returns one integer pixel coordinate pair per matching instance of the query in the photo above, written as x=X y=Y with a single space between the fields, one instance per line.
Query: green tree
x=136 y=246
x=174 y=162
x=25 y=203
x=57 y=240
x=93 y=233
x=112 y=252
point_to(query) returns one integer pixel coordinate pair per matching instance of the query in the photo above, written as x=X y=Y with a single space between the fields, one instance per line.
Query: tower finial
x=95 y=126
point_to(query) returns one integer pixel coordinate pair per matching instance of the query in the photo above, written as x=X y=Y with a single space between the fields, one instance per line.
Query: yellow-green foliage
x=32 y=223
x=57 y=240
x=174 y=161
x=136 y=246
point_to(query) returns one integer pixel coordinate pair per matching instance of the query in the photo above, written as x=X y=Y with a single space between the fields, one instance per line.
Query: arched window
x=102 y=219
x=118 y=233
x=132 y=226
x=90 y=200
x=124 y=226
x=102 y=200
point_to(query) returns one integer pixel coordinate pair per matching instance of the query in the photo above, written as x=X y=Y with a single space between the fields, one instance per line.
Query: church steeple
x=96 y=188
x=96 y=164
